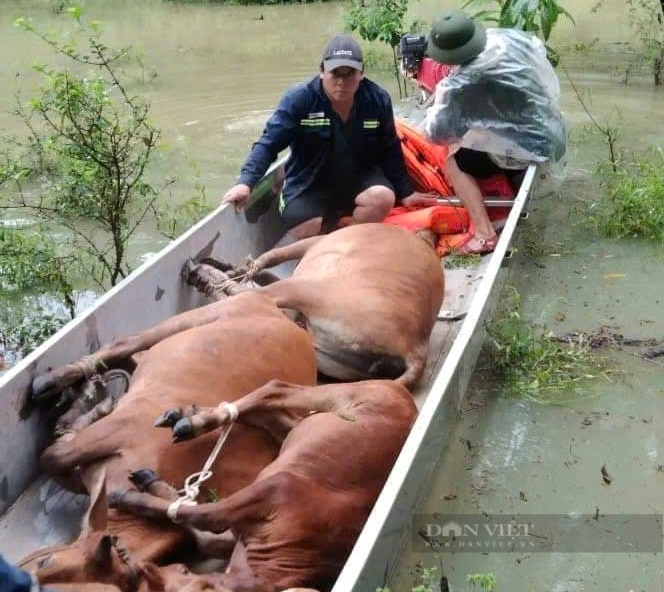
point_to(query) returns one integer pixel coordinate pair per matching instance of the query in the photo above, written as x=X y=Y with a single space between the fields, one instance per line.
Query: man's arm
x=277 y=135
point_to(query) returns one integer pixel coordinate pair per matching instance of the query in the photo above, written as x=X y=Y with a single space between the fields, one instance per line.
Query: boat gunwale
x=369 y=562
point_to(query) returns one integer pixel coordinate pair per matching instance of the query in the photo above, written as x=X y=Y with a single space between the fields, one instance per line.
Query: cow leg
x=270 y=407
x=211 y=545
x=262 y=278
x=84 y=420
x=249 y=504
x=103 y=392
x=96 y=442
x=279 y=255
x=119 y=350
x=211 y=281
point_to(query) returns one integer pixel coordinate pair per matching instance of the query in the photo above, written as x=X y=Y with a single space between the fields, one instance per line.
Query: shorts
x=478 y=164
x=329 y=202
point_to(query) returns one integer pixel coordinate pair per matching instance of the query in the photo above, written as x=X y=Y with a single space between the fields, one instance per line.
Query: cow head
x=97 y=558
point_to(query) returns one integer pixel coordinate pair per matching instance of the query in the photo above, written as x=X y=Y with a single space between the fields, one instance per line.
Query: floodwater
x=219 y=72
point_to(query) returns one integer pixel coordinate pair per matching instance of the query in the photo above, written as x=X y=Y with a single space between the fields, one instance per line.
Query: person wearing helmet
x=496 y=110
x=345 y=163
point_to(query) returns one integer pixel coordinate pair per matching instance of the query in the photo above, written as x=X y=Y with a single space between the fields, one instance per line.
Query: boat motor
x=415 y=65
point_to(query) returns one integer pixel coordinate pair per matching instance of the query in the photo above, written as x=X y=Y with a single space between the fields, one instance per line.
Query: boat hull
x=35 y=512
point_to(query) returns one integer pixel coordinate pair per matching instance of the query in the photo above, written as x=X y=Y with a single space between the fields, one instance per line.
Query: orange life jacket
x=425 y=163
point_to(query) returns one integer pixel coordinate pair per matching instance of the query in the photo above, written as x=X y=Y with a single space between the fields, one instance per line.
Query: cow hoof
x=143 y=478
x=220 y=264
x=43 y=387
x=188 y=269
x=183 y=430
x=115 y=498
x=169 y=418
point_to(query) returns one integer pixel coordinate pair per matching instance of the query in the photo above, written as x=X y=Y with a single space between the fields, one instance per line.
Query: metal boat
x=35 y=512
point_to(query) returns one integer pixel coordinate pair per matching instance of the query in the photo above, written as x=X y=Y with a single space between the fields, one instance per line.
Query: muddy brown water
x=219 y=72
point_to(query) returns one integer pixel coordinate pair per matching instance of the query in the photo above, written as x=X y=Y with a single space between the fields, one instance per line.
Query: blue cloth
x=14 y=579
x=303 y=121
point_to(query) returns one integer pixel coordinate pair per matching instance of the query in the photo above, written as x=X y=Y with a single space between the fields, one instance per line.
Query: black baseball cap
x=343 y=50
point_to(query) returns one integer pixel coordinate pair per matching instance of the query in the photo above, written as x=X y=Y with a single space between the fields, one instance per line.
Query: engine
x=415 y=65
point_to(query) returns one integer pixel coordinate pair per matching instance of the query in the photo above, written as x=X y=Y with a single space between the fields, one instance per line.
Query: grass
x=532 y=363
x=632 y=204
x=454 y=260
x=429 y=575
x=425 y=584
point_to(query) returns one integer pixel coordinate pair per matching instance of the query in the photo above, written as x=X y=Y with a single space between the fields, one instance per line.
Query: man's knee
x=374 y=203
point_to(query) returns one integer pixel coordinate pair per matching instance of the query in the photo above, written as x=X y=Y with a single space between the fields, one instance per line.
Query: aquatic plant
x=632 y=203
x=76 y=182
x=646 y=17
x=427 y=581
x=531 y=361
x=482 y=581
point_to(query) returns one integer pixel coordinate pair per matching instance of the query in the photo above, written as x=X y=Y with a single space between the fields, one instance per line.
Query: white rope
x=35 y=586
x=192 y=484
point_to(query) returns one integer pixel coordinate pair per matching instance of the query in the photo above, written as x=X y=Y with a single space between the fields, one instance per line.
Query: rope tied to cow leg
x=192 y=484
x=90 y=365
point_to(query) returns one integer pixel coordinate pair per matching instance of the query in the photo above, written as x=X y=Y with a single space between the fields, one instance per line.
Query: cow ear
x=102 y=553
x=97 y=515
x=152 y=577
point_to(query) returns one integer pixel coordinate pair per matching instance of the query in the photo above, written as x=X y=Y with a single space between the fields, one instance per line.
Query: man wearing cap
x=497 y=110
x=345 y=163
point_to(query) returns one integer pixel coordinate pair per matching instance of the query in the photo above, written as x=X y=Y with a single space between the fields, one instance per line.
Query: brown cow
x=211 y=354
x=369 y=294
x=298 y=521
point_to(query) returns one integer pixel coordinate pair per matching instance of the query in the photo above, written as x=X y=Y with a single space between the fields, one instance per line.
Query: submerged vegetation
x=646 y=17
x=632 y=204
x=76 y=184
x=531 y=361
x=427 y=582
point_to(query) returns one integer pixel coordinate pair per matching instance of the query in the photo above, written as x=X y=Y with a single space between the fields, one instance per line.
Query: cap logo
x=347 y=52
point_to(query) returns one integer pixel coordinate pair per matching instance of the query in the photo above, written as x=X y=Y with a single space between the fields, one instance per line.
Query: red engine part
x=430 y=73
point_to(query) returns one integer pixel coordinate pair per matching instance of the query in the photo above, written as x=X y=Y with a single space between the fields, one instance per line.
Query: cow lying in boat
x=298 y=521
x=369 y=294
x=214 y=353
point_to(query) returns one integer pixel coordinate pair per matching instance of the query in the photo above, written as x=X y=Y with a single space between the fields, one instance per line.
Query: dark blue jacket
x=14 y=579
x=301 y=121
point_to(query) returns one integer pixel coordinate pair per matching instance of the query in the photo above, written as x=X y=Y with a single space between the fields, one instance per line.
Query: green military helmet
x=455 y=38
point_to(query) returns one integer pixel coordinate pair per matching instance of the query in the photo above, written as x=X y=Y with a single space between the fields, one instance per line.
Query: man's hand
x=417 y=198
x=237 y=195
